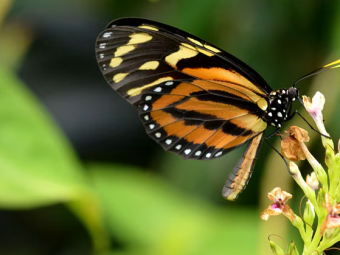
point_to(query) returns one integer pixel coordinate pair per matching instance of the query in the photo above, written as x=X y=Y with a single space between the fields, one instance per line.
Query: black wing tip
x=129 y=21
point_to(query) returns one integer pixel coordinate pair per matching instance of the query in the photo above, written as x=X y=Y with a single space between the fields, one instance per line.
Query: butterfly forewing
x=194 y=99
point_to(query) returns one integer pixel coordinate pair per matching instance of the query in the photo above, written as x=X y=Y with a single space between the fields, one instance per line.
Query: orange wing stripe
x=219 y=139
x=162 y=118
x=199 y=135
x=165 y=101
x=185 y=89
x=251 y=122
x=179 y=129
x=248 y=91
x=208 y=85
x=221 y=111
x=221 y=74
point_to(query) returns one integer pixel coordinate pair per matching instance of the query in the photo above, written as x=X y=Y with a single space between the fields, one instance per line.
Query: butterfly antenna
x=332 y=65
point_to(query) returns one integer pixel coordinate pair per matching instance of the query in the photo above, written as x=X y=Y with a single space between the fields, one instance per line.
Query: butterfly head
x=293 y=93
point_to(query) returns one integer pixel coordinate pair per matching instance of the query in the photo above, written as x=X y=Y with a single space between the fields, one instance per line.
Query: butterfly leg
x=274 y=133
x=279 y=154
x=297 y=112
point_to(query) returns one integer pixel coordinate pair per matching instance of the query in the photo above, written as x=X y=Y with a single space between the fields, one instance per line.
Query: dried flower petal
x=299 y=134
x=291 y=146
x=290 y=149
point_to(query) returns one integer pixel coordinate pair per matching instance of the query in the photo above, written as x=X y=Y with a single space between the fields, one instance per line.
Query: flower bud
x=275 y=248
x=292 y=249
x=309 y=214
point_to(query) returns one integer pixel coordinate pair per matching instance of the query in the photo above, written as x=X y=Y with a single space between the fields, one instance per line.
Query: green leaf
x=150 y=217
x=37 y=165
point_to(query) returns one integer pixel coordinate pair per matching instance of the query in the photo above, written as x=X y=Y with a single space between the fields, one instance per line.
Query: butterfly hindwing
x=194 y=123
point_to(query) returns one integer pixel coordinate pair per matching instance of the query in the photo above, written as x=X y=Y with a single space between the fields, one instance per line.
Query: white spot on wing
x=279 y=114
x=279 y=101
x=102 y=45
x=158 y=135
x=168 y=141
x=178 y=147
x=169 y=83
x=145 y=107
x=152 y=126
x=270 y=114
x=107 y=34
x=218 y=154
x=208 y=155
x=187 y=151
x=146 y=117
x=148 y=98
x=158 y=89
x=197 y=153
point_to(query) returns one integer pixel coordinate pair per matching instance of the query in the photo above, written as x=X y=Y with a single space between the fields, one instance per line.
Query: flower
x=292 y=145
x=315 y=107
x=279 y=206
x=332 y=219
x=312 y=181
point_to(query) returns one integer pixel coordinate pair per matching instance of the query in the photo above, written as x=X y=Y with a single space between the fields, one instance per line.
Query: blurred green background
x=78 y=174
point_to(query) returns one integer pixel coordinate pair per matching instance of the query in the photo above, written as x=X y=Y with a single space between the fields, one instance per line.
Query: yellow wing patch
x=182 y=53
x=119 y=77
x=137 y=91
x=151 y=65
x=137 y=38
x=209 y=47
x=124 y=49
x=195 y=41
x=149 y=27
x=116 y=62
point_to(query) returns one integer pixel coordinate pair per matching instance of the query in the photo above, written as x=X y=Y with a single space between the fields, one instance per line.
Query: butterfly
x=193 y=98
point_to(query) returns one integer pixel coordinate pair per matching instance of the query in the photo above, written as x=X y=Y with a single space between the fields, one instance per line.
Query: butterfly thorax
x=278 y=106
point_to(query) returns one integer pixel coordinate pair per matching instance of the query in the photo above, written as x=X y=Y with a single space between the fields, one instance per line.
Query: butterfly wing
x=199 y=119
x=194 y=99
x=135 y=54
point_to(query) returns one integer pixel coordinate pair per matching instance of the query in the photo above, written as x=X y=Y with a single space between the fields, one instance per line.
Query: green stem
x=315 y=242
